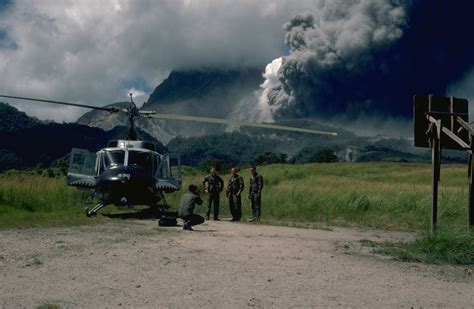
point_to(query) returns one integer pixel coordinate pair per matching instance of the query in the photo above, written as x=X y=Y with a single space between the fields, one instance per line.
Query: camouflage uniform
x=255 y=194
x=215 y=185
x=236 y=184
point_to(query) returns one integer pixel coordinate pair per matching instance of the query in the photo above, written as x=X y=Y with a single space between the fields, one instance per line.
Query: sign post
x=435 y=161
x=470 y=205
x=443 y=123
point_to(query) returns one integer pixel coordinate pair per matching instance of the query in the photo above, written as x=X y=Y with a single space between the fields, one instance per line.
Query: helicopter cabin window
x=114 y=158
x=143 y=159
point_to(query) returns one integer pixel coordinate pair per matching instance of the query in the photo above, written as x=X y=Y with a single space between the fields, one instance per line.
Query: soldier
x=255 y=192
x=214 y=187
x=186 y=209
x=234 y=190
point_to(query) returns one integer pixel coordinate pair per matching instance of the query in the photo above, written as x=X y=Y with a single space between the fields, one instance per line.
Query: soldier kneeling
x=186 y=209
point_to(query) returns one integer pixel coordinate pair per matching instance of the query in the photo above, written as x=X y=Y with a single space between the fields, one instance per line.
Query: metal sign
x=446 y=109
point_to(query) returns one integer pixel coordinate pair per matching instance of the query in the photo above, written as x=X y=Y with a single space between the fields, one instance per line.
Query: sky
x=340 y=57
x=96 y=52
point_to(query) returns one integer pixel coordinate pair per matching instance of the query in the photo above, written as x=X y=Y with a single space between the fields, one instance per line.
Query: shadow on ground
x=141 y=214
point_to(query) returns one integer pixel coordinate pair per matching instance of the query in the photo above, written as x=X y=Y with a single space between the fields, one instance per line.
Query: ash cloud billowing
x=369 y=57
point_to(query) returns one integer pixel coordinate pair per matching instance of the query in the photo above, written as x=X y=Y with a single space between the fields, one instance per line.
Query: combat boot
x=187 y=226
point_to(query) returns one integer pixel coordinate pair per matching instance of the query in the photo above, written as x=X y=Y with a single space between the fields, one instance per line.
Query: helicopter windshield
x=143 y=159
x=114 y=158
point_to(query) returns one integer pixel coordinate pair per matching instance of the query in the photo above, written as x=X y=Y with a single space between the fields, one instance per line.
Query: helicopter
x=129 y=172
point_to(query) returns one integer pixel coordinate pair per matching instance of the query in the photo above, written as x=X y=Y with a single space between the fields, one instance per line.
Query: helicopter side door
x=82 y=169
x=168 y=173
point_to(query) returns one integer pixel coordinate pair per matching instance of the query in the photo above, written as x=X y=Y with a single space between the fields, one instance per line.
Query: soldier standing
x=234 y=190
x=214 y=187
x=255 y=192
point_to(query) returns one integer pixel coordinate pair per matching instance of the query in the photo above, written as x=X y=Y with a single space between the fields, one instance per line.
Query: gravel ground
x=220 y=265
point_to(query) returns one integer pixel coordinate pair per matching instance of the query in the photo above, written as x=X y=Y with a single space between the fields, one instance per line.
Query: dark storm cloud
x=89 y=50
x=371 y=57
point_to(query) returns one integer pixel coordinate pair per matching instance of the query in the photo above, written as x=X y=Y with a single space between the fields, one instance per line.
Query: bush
x=206 y=164
x=271 y=158
x=323 y=156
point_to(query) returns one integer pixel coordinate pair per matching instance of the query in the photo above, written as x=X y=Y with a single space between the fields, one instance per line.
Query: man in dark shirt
x=234 y=190
x=214 y=187
x=186 y=209
x=255 y=192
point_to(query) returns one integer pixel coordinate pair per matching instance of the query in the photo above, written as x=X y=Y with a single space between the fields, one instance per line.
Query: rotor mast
x=132 y=114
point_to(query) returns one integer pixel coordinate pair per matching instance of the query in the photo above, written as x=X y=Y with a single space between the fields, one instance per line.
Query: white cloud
x=84 y=51
x=139 y=96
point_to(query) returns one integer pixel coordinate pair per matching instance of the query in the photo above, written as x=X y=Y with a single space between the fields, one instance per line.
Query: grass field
x=375 y=195
x=31 y=200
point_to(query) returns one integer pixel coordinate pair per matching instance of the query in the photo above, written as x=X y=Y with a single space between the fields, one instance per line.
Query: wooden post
x=436 y=155
x=470 y=205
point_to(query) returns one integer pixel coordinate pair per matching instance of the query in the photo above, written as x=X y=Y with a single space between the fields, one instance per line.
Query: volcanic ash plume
x=246 y=109
x=369 y=57
x=271 y=87
x=332 y=50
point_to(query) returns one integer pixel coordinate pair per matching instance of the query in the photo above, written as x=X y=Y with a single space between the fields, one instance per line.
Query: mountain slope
x=27 y=142
x=232 y=94
x=12 y=119
x=201 y=85
x=211 y=93
x=103 y=119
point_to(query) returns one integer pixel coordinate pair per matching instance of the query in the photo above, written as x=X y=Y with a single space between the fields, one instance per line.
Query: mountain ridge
x=28 y=142
x=211 y=93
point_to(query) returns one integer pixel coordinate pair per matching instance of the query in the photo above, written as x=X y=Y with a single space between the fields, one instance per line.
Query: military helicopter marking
x=130 y=172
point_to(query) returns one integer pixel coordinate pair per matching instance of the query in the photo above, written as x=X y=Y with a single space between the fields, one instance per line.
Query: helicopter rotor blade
x=154 y=114
x=108 y=109
x=237 y=123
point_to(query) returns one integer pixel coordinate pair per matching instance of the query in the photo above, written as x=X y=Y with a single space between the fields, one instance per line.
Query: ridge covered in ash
x=211 y=93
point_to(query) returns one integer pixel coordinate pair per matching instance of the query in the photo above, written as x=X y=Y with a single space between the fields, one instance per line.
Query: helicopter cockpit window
x=114 y=158
x=143 y=159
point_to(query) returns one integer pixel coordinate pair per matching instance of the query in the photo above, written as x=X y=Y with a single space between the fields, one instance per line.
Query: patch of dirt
x=221 y=264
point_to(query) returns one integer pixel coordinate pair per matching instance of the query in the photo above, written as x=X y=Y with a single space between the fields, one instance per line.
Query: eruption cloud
x=269 y=86
x=367 y=57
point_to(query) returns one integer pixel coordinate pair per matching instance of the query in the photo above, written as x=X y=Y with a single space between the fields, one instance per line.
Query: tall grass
x=33 y=200
x=444 y=248
x=379 y=195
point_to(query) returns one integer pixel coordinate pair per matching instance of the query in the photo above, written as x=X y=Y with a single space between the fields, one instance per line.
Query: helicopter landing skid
x=93 y=211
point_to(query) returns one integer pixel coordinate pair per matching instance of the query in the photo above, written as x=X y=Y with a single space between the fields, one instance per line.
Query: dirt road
x=221 y=265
